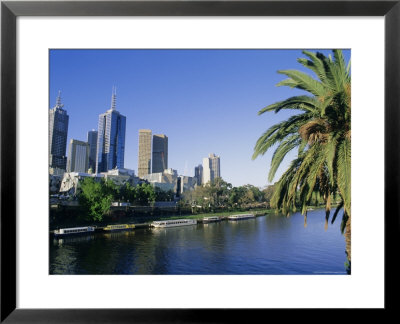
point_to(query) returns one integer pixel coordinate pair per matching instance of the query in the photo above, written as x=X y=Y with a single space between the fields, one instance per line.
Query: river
x=271 y=244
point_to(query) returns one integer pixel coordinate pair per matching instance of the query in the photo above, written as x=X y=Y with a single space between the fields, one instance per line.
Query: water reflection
x=73 y=239
x=272 y=244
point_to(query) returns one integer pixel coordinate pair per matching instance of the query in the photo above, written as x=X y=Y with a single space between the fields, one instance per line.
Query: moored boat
x=241 y=216
x=174 y=223
x=73 y=231
x=211 y=219
x=119 y=227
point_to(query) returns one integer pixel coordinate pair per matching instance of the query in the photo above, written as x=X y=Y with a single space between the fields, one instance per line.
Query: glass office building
x=92 y=141
x=58 y=131
x=111 y=139
x=160 y=153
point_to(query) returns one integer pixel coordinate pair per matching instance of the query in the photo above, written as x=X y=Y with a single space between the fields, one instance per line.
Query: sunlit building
x=78 y=156
x=144 y=156
x=211 y=168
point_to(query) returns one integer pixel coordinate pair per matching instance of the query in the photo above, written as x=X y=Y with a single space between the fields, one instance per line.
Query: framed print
x=173 y=86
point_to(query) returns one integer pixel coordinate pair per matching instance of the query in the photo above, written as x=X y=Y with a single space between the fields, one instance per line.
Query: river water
x=271 y=244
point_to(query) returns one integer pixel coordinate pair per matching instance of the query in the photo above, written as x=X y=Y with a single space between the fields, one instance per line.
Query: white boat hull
x=240 y=217
x=174 y=223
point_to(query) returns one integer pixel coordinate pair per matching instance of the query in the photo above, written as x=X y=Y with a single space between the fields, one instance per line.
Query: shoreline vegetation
x=123 y=219
x=104 y=203
x=118 y=218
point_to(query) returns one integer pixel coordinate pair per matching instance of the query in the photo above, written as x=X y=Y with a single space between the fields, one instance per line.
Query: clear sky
x=205 y=101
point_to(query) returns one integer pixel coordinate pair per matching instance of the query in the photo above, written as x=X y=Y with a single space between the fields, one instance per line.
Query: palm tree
x=321 y=133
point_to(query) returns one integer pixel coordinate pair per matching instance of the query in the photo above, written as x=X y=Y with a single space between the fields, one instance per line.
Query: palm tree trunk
x=347 y=236
x=305 y=219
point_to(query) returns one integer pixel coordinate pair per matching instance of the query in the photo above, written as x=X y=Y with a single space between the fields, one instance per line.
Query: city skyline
x=204 y=100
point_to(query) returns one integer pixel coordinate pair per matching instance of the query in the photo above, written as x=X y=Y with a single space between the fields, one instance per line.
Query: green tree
x=268 y=192
x=127 y=193
x=163 y=195
x=236 y=197
x=218 y=191
x=145 y=194
x=321 y=133
x=95 y=198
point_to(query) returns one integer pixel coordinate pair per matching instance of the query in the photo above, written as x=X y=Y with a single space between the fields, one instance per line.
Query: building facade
x=58 y=131
x=110 y=139
x=198 y=174
x=144 y=155
x=166 y=180
x=160 y=153
x=187 y=183
x=211 y=168
x=78 y=156
x=70 y=180
x=92 y=141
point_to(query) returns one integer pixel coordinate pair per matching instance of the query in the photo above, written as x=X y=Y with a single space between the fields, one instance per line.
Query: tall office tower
x=58 y=130
x=92 y=141
x=78 y=156
x=110 y=139
x=211 y=168
x=198 y=173
x=160 y=153
x=144 y=156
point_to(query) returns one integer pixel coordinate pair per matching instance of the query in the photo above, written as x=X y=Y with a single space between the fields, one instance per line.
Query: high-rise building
x=58 y=130
x=110 y=139
x=211 y=168
x=160 y=153
x=144 y=156
x=78 y=156
x=92 y=141
x=198 y=173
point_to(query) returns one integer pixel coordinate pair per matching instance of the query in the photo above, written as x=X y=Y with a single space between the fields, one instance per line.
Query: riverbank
x=141 y=222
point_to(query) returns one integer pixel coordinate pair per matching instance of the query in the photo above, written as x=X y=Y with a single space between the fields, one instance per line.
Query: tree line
x=95 y=197
x=219 y=194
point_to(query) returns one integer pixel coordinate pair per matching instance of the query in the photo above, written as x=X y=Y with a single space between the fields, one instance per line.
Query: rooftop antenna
x=113 y=97
x=58 y=101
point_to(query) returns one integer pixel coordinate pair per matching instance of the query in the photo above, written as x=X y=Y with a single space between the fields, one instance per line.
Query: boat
x=119 y=227
x=74 y=231
x=211 y=219
x=174 y=223
x=241 y=216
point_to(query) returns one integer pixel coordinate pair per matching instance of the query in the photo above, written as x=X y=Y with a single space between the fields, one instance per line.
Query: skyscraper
x=198 y=173
x=58 y=130
x=78 y=156
x=144 y=156
x=211 y=168
x=110 y=139
x=160 y=153
x=92 y=141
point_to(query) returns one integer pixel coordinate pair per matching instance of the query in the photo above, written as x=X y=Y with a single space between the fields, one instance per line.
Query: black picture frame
x=10 y=10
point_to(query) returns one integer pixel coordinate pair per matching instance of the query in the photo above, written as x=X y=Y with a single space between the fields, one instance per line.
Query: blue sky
x=205 y=101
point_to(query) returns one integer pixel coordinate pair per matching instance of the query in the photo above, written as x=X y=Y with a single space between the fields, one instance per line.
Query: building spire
x=58 y=101
x=113 y=97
